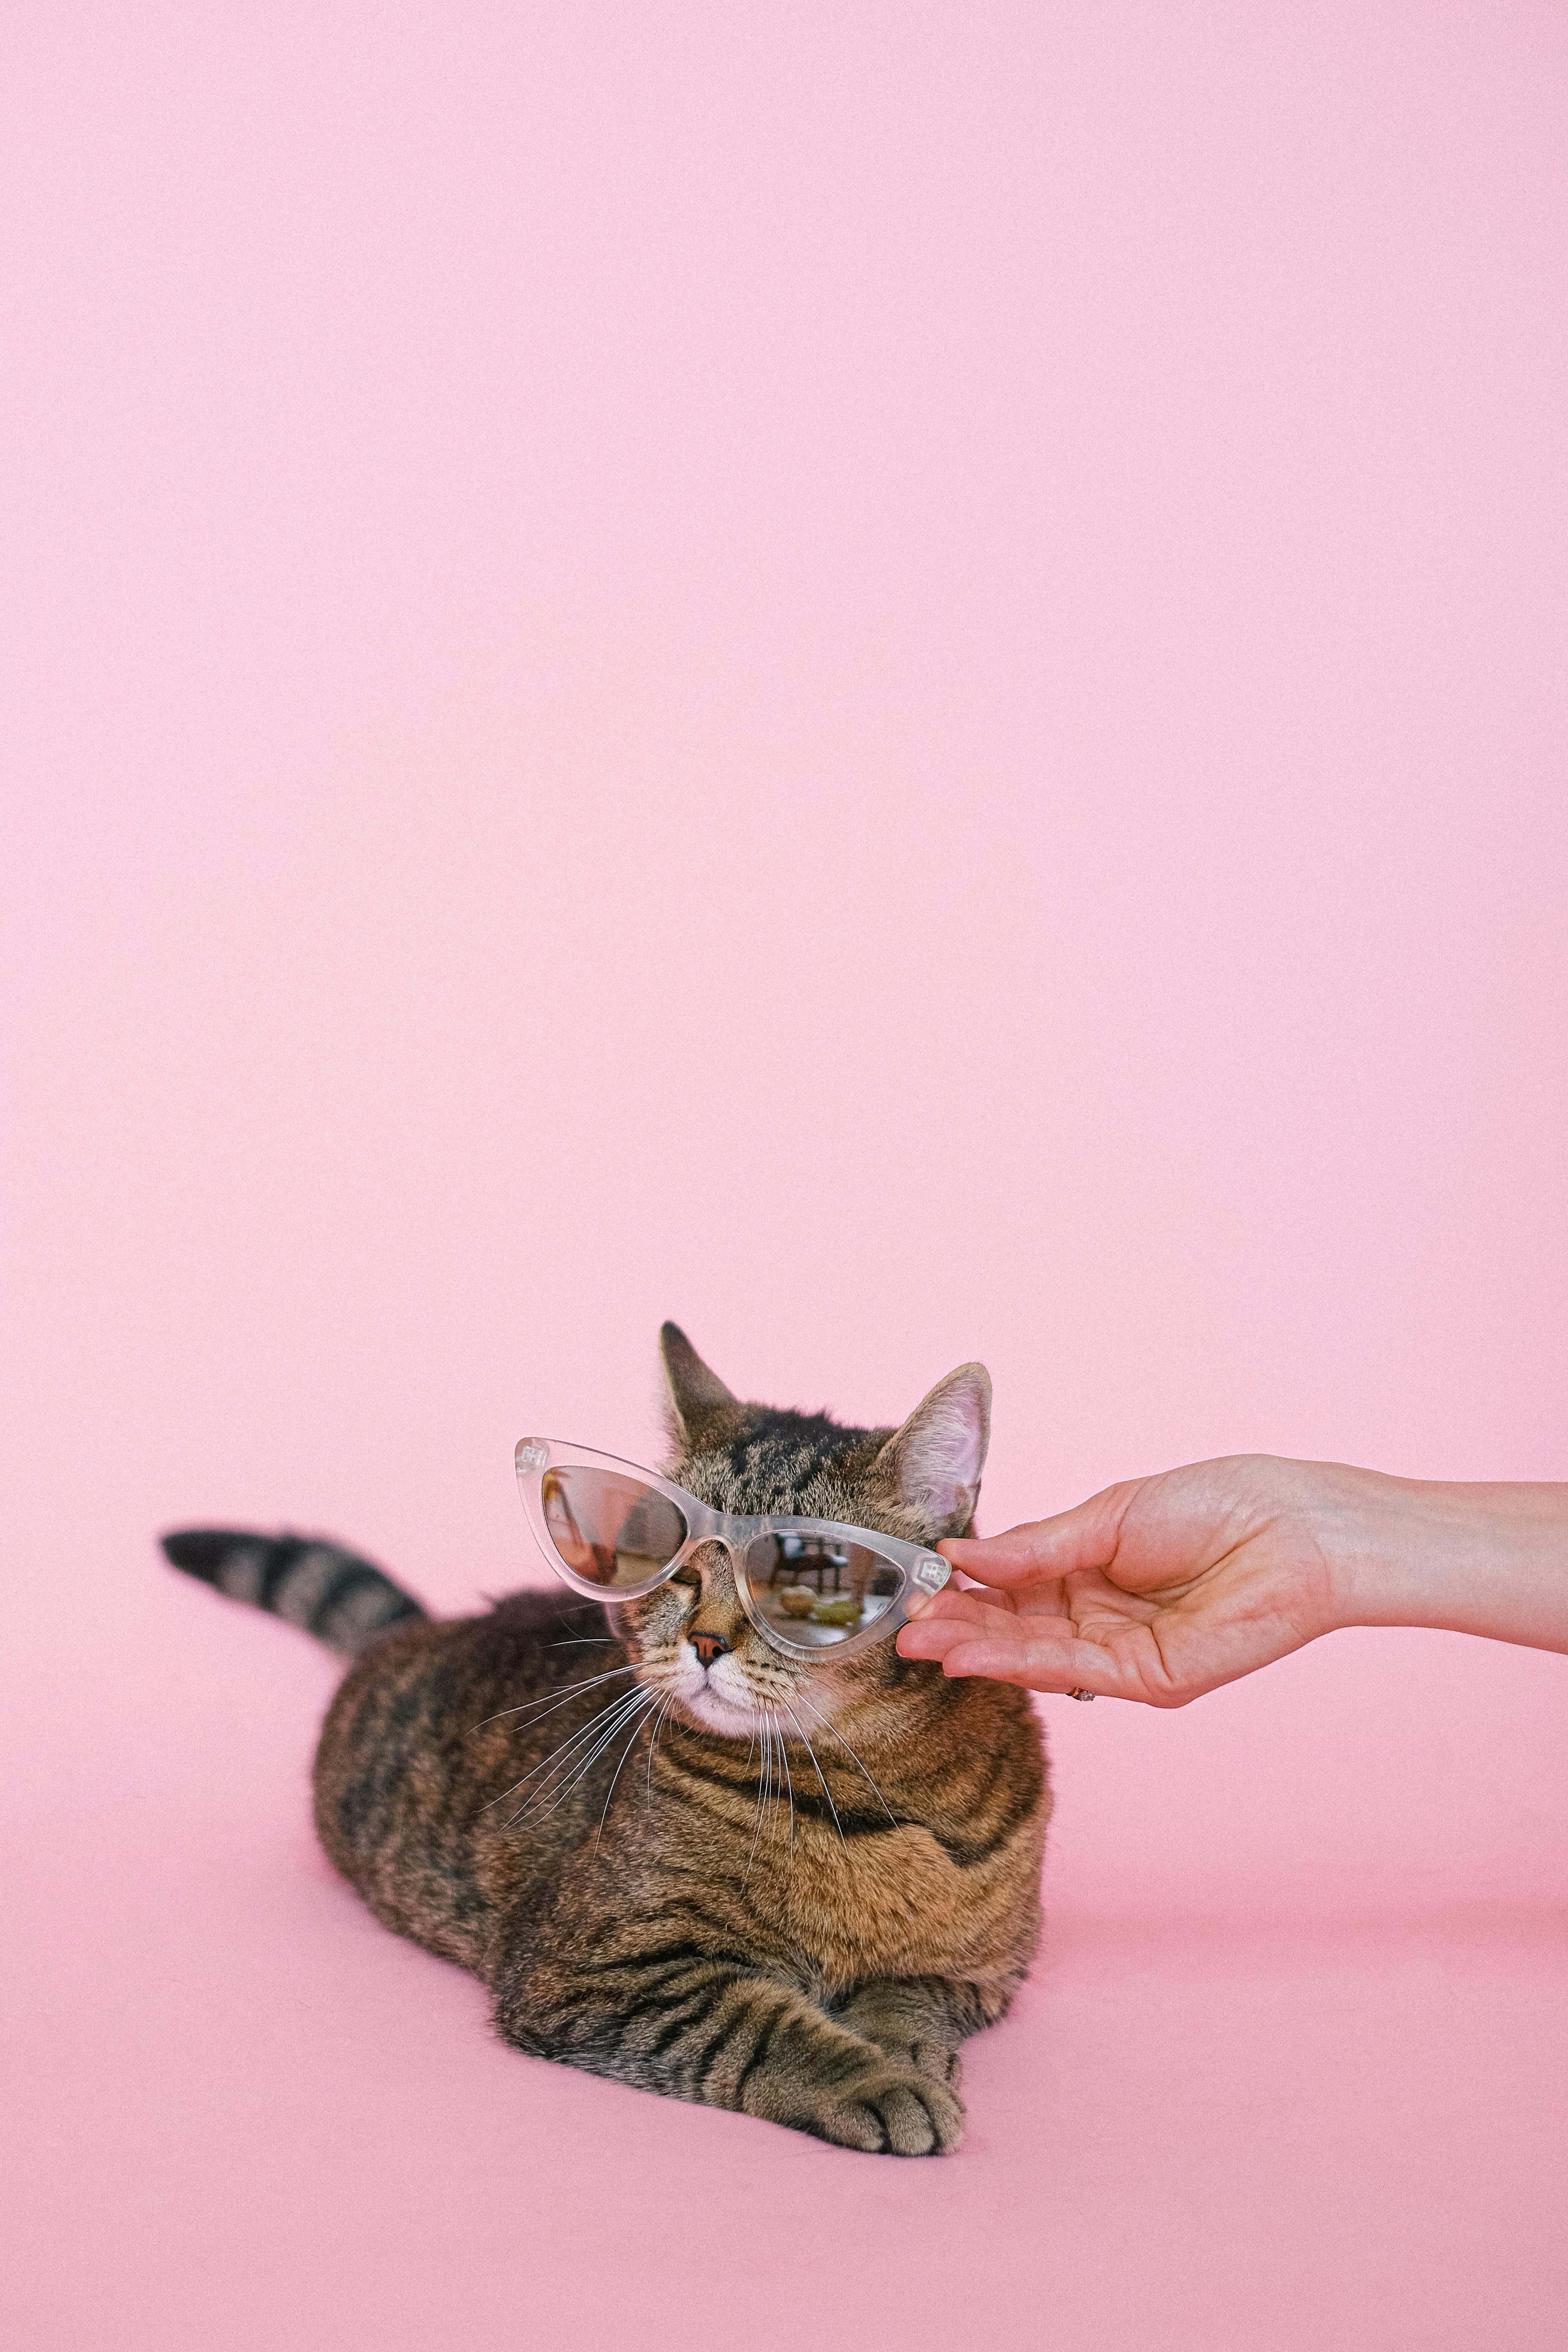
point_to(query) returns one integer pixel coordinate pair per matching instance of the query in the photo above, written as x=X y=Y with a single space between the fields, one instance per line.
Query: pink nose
x=708 y=1646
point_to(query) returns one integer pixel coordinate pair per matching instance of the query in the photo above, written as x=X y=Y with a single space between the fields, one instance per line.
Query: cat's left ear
x=696 y=1394
x=936 y=1458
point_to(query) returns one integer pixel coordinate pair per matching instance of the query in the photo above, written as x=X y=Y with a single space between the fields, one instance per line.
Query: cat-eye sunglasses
x=811 y=1587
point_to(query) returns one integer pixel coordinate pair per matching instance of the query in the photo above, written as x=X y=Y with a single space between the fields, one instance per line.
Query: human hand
x=1159 y=1589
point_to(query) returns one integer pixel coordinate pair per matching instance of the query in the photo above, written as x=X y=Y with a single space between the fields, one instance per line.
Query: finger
x=961 y=1616
x=1043 y=1665
x=933 y=1637
x=1082 y=1537
x=959 y=1601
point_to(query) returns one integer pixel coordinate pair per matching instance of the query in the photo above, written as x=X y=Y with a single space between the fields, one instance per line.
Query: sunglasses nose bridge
x=711 y=1552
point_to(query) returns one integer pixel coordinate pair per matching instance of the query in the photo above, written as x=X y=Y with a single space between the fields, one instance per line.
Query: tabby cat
x=803 y=1925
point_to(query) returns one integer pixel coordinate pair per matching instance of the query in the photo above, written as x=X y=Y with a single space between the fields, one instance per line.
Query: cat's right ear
x=695 y=1392
x=936 y=1458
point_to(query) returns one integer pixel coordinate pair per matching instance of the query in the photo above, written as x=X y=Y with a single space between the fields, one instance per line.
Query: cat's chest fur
x=894 y=1904
x=834 y=1889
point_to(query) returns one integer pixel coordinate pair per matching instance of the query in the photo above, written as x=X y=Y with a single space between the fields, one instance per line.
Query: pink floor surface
x=1291 y=2071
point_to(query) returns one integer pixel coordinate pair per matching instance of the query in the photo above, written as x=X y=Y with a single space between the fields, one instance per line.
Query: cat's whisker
x=560 y=1760
x=789 y=1788
x=829 y=1726
x=551 y=1699
x=626 y=1708
x=771 y=1737
x=653 y=1743
x=761 y=1789
x=632 y=1715
x=631 y=1743
x=821 y=1775
x=582 y=1732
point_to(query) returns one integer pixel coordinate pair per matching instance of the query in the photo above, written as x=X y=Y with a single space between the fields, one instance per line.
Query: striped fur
x=801 y=1920
x=345 y=1601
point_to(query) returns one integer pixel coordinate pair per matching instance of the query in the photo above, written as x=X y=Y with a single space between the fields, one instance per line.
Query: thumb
x=1040 y=1550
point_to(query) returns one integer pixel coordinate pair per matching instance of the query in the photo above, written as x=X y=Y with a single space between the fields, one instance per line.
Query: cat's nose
x=708 y=1646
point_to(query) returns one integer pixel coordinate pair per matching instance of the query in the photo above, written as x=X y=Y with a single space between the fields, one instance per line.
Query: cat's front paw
x=907 y=2028
x=938 y=2061
x=893 y=2111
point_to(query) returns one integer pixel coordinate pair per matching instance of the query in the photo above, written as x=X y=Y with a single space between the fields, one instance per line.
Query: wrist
x=1482 y=1558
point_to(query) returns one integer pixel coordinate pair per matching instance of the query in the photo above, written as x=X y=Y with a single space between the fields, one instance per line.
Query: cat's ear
x=695 y=1392
x=936 y=1458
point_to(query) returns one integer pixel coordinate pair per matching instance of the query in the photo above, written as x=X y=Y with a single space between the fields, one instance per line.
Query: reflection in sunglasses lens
x=613 y=1530
x=820 y=1590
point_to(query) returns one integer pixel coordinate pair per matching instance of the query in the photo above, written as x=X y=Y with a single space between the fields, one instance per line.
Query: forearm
x=1170 y=1585
x=1482 y=1558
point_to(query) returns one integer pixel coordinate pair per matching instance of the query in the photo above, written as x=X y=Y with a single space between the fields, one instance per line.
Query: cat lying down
x=684 y=1851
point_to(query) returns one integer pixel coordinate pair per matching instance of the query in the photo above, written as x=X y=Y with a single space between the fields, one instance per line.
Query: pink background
x=889 y=679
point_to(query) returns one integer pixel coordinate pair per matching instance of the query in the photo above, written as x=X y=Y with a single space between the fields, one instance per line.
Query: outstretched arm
x=1165 y=1587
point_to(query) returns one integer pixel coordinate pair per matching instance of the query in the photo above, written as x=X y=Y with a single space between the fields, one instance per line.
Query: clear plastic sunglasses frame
x=918 y=1570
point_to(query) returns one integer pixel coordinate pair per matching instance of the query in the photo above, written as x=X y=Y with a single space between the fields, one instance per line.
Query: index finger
x=1040 y=1550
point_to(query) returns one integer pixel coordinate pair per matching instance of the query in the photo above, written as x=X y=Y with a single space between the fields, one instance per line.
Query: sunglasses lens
x=613 y=1530
x=819 y=1590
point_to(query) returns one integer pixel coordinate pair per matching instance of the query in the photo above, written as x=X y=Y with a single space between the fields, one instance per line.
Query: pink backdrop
x=888 y=678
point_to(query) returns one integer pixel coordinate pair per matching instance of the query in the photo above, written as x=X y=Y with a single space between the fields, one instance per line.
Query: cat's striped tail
x=344 y=1601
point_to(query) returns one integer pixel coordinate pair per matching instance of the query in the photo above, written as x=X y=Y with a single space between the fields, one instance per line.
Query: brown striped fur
x=802 y=1924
